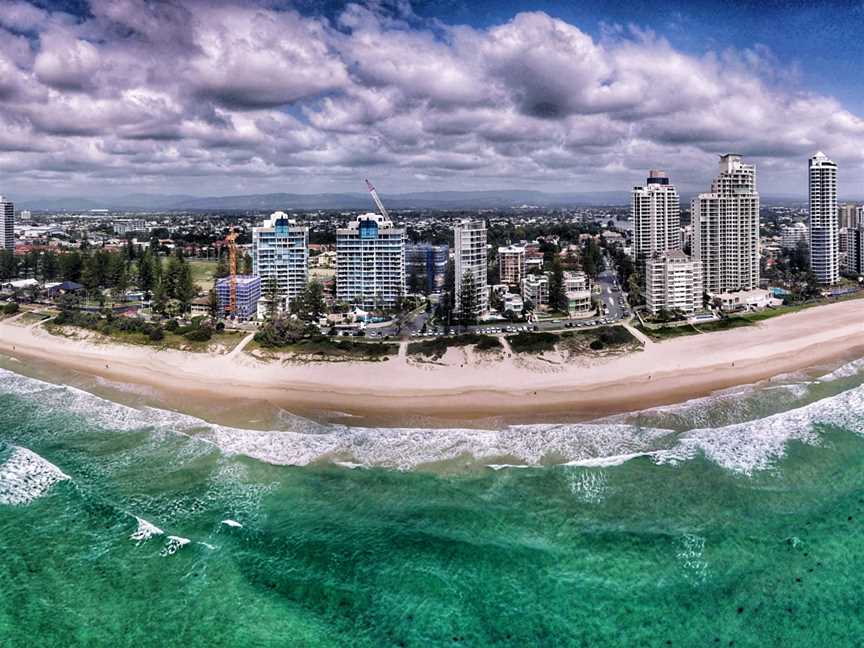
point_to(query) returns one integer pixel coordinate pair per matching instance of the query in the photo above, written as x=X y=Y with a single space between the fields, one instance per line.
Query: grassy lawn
x=203 y=272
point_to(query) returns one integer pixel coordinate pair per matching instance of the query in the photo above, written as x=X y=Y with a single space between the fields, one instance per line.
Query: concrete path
x=639 y=335
x=239 y=348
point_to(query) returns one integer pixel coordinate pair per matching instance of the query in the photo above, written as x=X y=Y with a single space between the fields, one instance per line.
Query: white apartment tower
x=726 y=229
x=280 y=252
x=7 y=225
x=824 y=225
x=511 y=264
x=370 y=262
x=655 y=211
x=673 y=281
x=469 y=252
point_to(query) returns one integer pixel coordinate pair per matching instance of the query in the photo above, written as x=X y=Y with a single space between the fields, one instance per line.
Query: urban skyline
x=278 y=97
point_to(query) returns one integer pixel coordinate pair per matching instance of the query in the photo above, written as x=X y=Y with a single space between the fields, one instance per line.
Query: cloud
x=203 y=96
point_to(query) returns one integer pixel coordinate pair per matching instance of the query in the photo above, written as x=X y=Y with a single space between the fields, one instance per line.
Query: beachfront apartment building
x=280 y=255
x=673 y=281
x=824 y=220
x=426 y=266
x=726 y=228
x=7 y=225
x=469 y=254
x=577 y=290
x=655 y=212
x=535 y=288
x=511 y=264
x=370 y=262
x=248 y=294
x=854 y=263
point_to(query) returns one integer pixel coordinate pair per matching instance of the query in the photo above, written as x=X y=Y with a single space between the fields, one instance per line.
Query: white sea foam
x=691 y=555
x=232 y=523
x=145 y=531
x=590 y=487
x=612 y=460
x=173 y=545
x=25 y=476
x=846 y=371
x=742 y=447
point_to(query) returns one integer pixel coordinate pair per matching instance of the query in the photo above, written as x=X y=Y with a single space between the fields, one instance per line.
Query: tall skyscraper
x=470 y=259
x=847 y=215
x=370 y=262
x=726 y=228
x=655 y=211
x=824 y=225
x=7 y=225
x=280 y=252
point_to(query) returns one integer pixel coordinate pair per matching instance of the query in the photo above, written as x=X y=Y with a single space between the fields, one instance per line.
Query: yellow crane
x=231 y=241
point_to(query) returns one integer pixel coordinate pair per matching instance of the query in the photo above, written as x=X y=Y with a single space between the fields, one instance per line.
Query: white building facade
x=655 y=211
x=726 y=228
x=673 y=281
x=469 y=254
x=577 y=290
x=7 y=225
x=535 y=288
x=280 y=253
x=370 y=262
x=824 y=220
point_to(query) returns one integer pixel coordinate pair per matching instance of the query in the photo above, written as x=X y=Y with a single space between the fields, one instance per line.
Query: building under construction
x=248 y=292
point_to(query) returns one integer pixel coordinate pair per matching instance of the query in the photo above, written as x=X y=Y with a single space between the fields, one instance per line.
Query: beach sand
x=399 y=390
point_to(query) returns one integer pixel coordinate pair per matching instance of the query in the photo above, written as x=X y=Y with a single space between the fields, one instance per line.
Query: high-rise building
x=726 y=228
x=792 y=235
x=128 y=226
x=511 y=264
x=469 y=252
x=248 y=293
x=655 y=211
x=847 y=215
x=370 y=262
x=280 y=253
x=426 y=265
x=673 y=281
x=855 y=250
x=7 y=225
x=824 y=246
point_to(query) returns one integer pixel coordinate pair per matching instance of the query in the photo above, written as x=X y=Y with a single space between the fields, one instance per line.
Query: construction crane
x=377 y=200
x=231 y=241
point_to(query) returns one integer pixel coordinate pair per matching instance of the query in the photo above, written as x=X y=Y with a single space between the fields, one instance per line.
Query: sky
x=224 y=97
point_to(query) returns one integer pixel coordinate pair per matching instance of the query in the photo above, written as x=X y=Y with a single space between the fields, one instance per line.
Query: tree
x=247 y=264
x=8 y=265
x=468 y=299
x=50 y=266
x=213 y=304
x=71 y=266
x=271 y=293
x=309 y=305
x=557 y=291
x=222 y=269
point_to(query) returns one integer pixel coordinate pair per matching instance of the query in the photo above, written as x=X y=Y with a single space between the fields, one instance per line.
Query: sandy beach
x=509 y=387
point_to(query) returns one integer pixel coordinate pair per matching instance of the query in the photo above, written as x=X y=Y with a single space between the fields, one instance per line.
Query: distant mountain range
x=352 y=201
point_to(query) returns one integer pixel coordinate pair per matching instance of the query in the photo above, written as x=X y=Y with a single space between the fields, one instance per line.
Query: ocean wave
x=742 y=447
x=25 y=476
x=848 y=370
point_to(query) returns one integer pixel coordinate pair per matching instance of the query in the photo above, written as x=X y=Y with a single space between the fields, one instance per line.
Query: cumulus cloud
x=206 y=96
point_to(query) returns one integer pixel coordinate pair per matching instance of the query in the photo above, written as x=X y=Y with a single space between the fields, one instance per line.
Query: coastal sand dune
x=660 y=373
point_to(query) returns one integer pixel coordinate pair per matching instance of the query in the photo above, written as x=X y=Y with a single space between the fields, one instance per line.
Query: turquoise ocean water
x=736 y=519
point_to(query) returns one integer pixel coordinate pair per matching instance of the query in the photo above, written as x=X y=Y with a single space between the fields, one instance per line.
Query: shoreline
x=216 y=387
